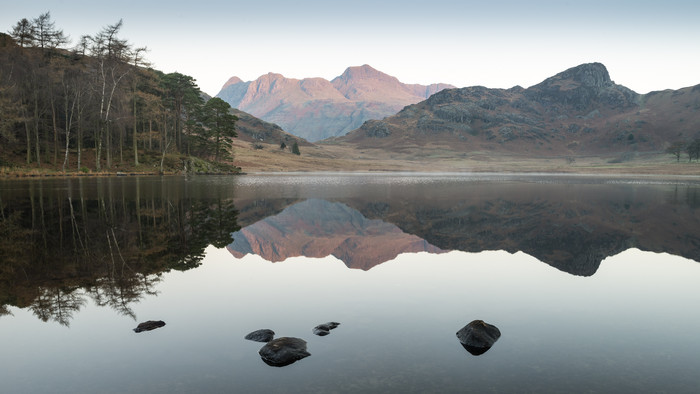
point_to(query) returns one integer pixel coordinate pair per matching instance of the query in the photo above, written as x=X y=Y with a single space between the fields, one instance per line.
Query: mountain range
x=577 y=112
x=315 y=108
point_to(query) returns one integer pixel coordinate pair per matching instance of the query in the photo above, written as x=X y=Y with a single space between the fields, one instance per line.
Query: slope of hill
x=580 y=111
x=315 y=109
x=253 y=130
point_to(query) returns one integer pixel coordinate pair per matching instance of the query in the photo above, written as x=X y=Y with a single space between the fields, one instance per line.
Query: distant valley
x=315 y=108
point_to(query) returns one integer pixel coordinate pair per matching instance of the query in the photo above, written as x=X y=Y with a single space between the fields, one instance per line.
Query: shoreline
x=33 y=174
x=629 y=172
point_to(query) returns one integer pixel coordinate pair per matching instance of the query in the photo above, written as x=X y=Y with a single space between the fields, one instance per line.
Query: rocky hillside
x=315 y=108
x=252 y=129
x=580 y=111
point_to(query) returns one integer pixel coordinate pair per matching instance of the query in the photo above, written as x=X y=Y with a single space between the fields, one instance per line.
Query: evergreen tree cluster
x=98 y=104
x=691 y=148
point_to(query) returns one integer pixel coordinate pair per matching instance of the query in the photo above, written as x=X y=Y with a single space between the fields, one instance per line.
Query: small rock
x=264 y=335
x=149 y=325
x=478 y=336
x=324 y=329
x=283 y=351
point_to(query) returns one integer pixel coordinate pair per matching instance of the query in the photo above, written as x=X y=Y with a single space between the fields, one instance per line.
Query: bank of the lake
x=336 y=158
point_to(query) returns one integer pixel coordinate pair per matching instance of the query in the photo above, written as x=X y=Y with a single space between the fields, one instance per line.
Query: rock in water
x=264 y=335
x=478 y=336
x=149 y=325
x=283 y=351
x=324 y=329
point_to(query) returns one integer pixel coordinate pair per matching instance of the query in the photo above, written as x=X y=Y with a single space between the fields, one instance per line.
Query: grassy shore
x=270 y=158
x=13 y=167
x=337 y=158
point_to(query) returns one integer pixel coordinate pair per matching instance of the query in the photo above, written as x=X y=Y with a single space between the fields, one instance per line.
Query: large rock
x=149 y=325
x=478 y=336
x=283 y=351
x=324 y=329
x=264 y=335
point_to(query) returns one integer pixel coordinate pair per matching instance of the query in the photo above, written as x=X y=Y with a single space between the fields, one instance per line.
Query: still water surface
x=593 y=283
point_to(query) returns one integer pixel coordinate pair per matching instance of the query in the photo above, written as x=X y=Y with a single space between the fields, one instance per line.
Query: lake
x=593 y=283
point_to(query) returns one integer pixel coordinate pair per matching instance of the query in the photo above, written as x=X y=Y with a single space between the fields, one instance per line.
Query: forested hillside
x=97 y=106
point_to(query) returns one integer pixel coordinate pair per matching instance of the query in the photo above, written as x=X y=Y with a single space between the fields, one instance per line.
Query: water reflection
x=320 y=228
x=630 y=327
x=63 y=241
x=109 y=240
x=570 y=226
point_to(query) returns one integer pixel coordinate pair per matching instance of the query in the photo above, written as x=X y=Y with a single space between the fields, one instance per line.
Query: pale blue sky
x=646 y=45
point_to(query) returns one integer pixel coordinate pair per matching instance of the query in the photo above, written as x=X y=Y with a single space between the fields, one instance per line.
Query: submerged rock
x=283 y=351
x=324 y=329
x=264 y=335
x=149 y=325
x=478 y=337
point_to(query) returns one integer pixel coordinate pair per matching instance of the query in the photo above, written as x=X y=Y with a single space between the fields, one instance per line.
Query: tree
x=138 y=61
x=23 y=33
x=693 y=150
x=112 y=55
x=221 y=124
x=676 y=148
x=181 y=93
x=295 y=148
x=46 y=36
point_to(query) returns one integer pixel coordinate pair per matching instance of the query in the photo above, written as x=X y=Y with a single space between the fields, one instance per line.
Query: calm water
x=594 y=283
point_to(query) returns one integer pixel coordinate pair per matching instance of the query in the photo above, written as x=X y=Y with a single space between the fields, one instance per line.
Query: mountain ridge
x=579 y=111
x=315 y=108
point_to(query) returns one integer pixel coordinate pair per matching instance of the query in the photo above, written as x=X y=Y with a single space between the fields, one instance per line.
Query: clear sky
x=646 y=45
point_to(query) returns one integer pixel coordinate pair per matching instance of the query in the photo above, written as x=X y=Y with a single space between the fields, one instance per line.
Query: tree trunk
x=36 y=130
x=28 y=130
x=69 y=123
x=135 y=142
x=122 y=131
x=98 y=146
x=54 y=121
x=108 y=145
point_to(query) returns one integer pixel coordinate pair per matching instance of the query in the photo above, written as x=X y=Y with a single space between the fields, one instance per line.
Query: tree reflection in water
x=109 y=240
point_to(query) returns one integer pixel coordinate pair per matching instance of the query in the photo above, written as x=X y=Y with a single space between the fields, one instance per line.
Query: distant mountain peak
x=588 y=75
x=583 y=87
x=363 y=72
x=272 y=77
x=232 y=81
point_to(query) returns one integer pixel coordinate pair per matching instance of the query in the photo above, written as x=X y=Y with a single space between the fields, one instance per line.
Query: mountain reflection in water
x=319 y=228
x=570 y=226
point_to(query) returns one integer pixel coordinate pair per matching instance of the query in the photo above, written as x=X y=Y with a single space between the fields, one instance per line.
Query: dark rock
x=582 y=87
x=376 y=129
x=149 y=325
x=283 y=351
x=478 y=336
x=324 y=329
x=264 y=335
